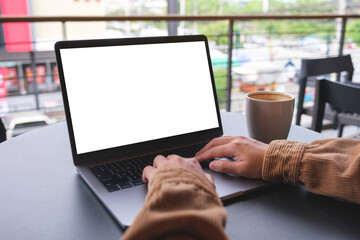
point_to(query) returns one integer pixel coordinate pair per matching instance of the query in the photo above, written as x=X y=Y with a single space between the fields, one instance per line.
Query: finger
x=210 y=178
x=224 y=166
x=217 y=152
x=148 y=173
x=175 y=160
x=159 y=159
x=215 y=142
x=172 y=156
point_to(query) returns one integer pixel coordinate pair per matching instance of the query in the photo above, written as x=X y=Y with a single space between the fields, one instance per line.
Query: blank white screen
x=120 y=95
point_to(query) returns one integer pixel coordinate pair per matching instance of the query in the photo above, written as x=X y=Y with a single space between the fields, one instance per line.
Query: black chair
x=2 y=131
x=343 y=97
x=311 y=68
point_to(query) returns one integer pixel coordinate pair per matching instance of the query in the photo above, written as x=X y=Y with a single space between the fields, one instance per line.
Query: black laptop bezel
x=131 y=150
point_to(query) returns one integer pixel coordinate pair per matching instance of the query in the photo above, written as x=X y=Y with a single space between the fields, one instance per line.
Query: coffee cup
x=269 y=115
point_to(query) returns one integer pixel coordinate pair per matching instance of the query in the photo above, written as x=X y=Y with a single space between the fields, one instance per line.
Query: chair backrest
x=321 y=66
x=2 y=131
x=342 y=96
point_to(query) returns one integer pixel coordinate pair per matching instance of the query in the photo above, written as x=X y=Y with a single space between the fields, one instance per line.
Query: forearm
x=329 y=167
x=179 y=205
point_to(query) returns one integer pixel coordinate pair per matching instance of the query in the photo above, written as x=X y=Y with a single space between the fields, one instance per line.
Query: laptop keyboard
x=128 y=173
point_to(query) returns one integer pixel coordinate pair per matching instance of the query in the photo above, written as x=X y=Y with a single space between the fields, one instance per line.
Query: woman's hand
x=161 y=162
x=248 y=153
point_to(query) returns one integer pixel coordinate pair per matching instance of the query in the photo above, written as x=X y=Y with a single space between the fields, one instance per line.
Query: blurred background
x=248 y=51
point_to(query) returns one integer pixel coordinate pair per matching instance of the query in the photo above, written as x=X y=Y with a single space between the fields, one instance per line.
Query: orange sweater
x=329 y=167
x=182 y=205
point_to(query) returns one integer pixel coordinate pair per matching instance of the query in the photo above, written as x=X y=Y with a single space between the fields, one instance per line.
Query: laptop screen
x=127 y=94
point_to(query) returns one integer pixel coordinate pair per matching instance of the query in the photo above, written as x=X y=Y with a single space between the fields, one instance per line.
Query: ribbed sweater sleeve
x=329 y=167
x=180 y=205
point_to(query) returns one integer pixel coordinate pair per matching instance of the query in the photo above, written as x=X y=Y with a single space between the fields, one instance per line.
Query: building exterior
x=46 y=33
x=27 y=61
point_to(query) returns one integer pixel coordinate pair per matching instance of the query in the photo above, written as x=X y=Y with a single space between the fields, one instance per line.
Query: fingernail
x=213 y=166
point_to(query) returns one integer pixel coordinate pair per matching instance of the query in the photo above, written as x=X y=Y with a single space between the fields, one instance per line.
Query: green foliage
x=220 y=78
x=252 y=7
x=298 y=28
x=220 y=83
x=209 y=7
x=313 y=7
x=295 y=28
x=217 y=30
x=353 y=30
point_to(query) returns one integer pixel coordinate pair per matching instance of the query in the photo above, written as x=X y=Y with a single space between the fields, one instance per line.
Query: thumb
x=210 y=179
x=224 y=166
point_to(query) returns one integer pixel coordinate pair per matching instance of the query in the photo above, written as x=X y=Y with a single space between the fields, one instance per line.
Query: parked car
x=19 y=123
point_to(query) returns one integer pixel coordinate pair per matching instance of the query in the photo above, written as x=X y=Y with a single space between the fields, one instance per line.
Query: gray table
x=42 y=197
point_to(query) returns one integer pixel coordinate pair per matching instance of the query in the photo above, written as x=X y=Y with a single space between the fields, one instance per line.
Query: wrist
x=282 y=161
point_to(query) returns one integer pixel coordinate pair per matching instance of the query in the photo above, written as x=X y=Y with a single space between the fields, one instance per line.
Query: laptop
x=128 y=100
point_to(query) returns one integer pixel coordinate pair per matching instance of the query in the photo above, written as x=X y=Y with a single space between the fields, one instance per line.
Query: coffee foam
x=269 y=96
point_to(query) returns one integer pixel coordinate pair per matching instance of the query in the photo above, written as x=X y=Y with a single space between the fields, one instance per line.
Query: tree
x=353 y=30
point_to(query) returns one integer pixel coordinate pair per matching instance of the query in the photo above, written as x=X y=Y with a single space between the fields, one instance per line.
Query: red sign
x=17 y=35
x=29 y=75
x=40 y=74
x=55 y=73
x=3 y=90
x=12 y=82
